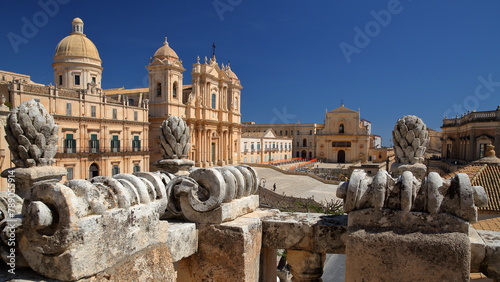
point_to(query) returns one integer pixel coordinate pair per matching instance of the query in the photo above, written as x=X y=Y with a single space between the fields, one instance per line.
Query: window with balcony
x=69 y=144
x=115 y=144
x=136 y=144
x=93 y=144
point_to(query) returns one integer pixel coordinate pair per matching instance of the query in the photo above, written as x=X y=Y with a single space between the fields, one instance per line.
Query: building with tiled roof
x=485 y=172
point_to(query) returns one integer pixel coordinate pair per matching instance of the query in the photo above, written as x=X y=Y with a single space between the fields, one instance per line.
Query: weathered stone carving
x=405 y=193
x=32 y=135
x=83 y=227
x=175 y=144
x=410 y=140
x=410 y=137
x=175 y=138
x=214 y=195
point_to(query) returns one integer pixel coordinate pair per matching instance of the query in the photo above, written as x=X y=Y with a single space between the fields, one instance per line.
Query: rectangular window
x=131 y=101
x=482 y=149
x=93 y=144
x=93 y=111
x=69 y=174
x=69 y=144
x=60 y=80
x=115 y=144
x=214 y=101
x=68 y=109
x=136 y=116
x=341 y=144
x=137 y=167
x=77 y=79
x=115 y=114
x=136 y=144
x=93 y=80
x=115 y=170
x=310 y=132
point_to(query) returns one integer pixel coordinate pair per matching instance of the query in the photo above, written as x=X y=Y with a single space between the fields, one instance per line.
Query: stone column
x=268 y=264
x=306 y=265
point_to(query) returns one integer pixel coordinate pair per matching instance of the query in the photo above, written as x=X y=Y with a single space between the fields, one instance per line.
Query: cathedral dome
x=76 y=44
x=165 y=51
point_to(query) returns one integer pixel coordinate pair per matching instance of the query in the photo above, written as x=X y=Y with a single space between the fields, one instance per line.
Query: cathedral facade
x=210 y=106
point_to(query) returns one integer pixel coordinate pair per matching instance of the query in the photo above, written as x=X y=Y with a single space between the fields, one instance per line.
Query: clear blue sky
x=428 y=59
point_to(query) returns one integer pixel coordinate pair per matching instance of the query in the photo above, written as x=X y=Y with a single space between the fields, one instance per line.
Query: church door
x=341 y=156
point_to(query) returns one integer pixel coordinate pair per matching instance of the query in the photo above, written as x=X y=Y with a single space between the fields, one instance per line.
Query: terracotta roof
x=487 y=176
x=492 y=224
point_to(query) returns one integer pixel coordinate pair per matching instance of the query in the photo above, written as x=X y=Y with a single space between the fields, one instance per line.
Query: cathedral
x=210 y=106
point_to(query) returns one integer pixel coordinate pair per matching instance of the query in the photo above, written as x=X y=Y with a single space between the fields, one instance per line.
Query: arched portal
x=93 y=170
x=304 y=154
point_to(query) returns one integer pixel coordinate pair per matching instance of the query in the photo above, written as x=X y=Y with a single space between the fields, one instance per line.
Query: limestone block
x=226 y=252
x=391 y=256
x=182 y=240
x=491 y=264
x=305 y=231
x=477 y=250
x=375 y=219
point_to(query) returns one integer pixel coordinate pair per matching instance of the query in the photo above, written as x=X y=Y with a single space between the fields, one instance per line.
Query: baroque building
x=344 y=138
x=98 y=135
x=210 y=106
x=465 y=138
x=257 y=147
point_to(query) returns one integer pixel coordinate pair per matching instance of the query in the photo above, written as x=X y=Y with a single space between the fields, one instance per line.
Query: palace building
x=105 y=132
x=344 y=138
x=98 y=135
x=465 y=138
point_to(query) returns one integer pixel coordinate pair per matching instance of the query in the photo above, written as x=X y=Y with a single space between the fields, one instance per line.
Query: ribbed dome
x=77 y=45
x=165 y=51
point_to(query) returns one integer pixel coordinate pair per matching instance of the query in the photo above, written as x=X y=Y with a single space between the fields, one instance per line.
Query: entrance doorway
x=93 y=170
x=341 y=156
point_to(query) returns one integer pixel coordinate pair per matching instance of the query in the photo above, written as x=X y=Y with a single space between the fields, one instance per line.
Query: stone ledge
x=407 y=222
x=305 y=231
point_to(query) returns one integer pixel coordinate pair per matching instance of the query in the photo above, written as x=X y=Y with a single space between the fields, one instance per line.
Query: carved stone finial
x=490 y=151
x=175 y=138
x=410 y=137
x=32 y=135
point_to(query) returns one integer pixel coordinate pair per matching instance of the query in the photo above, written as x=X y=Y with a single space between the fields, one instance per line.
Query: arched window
x=214 y=101
x=341 y=128
x=304 y=143
x=174 y=90
x=158 y=89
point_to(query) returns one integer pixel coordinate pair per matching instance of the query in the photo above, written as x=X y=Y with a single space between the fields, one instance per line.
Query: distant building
x=344 y=138
x=210 y=106
x=257 y=147
x=465 y=138
x=98 y=135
